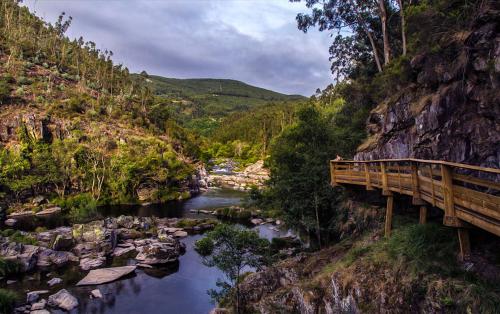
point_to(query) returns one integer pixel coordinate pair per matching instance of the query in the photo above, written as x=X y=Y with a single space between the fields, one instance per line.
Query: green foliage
x=80 y=207
x=7 y=301
x=19 y=236
x=8 y=267
x=232 y=250
x=5 y=89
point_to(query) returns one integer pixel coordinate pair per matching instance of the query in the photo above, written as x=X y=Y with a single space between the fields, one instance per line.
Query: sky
x=254 y=41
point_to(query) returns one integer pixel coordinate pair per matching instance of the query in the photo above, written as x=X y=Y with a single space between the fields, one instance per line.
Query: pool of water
x=178 y=288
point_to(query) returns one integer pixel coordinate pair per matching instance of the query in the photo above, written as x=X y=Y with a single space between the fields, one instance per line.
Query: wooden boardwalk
x=468 y=195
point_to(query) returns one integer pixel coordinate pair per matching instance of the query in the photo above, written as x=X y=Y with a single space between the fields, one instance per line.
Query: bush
x=4 y=91
x=82 y=207
x=7 y=300
x=19 y=236
x=8 y=267
x=23 y=80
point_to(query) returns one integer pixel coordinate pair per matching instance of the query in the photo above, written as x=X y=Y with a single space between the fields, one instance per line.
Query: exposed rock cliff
x=452 y=109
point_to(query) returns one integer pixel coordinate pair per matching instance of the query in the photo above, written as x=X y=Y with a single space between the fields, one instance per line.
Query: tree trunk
x=403 y=30
x=385 y=34
x=318 y=230
x=361 y=21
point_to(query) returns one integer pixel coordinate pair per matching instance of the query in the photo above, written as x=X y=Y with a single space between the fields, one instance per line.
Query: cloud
x=255 y=41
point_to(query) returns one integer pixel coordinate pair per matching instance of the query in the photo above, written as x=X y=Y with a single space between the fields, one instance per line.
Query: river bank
x=180 y=286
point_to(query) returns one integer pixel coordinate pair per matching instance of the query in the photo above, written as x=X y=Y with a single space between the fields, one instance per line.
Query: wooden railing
x=467 y=194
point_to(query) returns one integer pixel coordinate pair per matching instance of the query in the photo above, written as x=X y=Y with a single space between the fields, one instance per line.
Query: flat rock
x=49 y=211
x=256 y=221
x=143 y=265
x=104 y=275
x=40 y=312
x=54 y=281
x=64 y=300
x=123 y=250
x=180 y=234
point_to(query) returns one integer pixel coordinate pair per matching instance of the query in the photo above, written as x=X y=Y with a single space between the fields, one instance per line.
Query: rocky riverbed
x=223 y=175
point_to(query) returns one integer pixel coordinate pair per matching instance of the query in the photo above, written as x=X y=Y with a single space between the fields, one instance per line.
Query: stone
x=143 y=265
x=32 y=297
x=64 y=300
x=159 y=252
x=49 y=211
x=91 y=232
x=104 y=275
x=39 y=305
x=10 y=222
x=125 y=234
x=180 y=234
x=54 y=281
x=38 y=200
x=9 y=282
x=96 y=293
x=256 y=221
x=123 y=250
x=88 y=263
x=278 y=222
x=40 y=312
x=62 y=242
x=126 y=222
x=50 y=257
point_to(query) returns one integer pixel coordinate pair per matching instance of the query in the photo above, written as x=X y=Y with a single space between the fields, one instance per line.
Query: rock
x=40 y=312
x=110 y=223
x=50 y=257
x=104 y=275
x=126 y=222
x=120 y=250
x=54 y=281
x=39 y=305
x=38 y=200
x=10 y=222
x=33 y=296
x=278 y=222
x=64 y=300
x=23 y=214
x=92 y=263
x=9 y=282
x=96 y=293
x=49 y=211
x=159 y=252
x=180 y=234
x=125 y=234
x=62 y=242
x=143 y=265
x=256 y=221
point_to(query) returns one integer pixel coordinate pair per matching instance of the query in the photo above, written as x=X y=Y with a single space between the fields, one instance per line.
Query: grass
x=7 y=301
x=18 y=236
x=424 y=259
x=8 y=267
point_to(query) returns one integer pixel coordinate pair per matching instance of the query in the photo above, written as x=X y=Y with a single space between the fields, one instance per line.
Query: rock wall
x=452 y=111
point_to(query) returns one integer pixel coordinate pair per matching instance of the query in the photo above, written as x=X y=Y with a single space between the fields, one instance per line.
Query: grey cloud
x=182 y=39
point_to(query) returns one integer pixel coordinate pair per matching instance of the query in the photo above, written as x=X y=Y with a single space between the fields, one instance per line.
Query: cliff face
x=452 y=109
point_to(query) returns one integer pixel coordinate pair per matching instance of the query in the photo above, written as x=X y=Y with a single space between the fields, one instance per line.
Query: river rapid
x=178 y=288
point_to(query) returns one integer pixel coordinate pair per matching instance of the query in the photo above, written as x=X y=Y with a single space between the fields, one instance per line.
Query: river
x=180 y=288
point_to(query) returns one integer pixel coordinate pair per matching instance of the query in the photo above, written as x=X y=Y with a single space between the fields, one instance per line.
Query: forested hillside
x=70 y=118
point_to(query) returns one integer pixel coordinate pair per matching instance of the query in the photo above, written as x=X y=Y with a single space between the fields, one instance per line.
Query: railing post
x=417 y=200
x=450 y=218
x=367 y=177
x=333 y=166
x=385 y=187
x=423 y=214
x=388 y=215
x=464 y=241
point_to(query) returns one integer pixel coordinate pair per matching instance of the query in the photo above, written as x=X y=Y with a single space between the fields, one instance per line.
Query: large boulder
x=25 y=255
x=159 y=252
x=91 y=232
x=126 y=222
x=64 y=300
x=48 y=257
x=88 y=263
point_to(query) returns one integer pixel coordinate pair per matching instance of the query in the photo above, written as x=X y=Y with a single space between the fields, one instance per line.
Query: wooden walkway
x=468 y=195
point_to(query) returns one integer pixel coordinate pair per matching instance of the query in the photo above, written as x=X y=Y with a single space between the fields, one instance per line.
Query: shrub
x=4 y=91
x=7 y=300
x=8 y=267
x=23 y=80
x=82 y=207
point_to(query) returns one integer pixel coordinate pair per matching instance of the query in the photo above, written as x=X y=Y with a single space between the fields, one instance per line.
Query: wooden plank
x=449 y=206
x=417 y=200
x=492 y=226
x=477 y=181
x=367 y=176
x=423 y=214
x=385 y=186
x=464 y=241
x=332 y=174
x=388 y=215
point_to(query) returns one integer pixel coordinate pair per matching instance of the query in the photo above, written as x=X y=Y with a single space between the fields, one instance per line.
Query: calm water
x=180 y=288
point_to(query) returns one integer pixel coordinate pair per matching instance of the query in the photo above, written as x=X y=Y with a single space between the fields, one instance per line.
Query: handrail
x=468 y=195
x=437 y=162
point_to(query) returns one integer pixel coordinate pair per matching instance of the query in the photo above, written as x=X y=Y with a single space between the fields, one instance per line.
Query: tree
x=232 y=250
x=300 y=175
